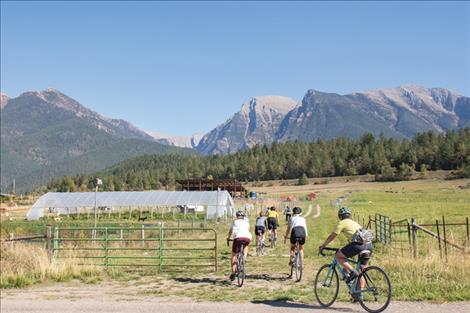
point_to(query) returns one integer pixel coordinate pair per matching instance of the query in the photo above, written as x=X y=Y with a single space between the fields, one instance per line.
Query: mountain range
x=48 y=135
x=396 y=112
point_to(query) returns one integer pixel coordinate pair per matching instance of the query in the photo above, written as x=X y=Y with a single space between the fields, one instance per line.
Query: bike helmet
x=344 y=212
x=240 y=214
x=273 y=208
x=297 y=210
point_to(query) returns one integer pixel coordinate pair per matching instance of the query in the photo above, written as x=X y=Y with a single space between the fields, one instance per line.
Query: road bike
x=377 y=292
x=260 y=246
x=241 y=265
x=273 y=238
x=297 y=262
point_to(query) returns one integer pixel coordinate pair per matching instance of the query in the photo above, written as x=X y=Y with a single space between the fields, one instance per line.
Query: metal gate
x=383 y=228
x=160 y=247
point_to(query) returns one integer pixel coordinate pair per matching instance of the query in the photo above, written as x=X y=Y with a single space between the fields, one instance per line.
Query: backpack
x=363 y=236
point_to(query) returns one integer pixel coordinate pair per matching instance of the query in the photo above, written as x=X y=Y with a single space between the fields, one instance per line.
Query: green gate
x=383 y=228
x=159 y=247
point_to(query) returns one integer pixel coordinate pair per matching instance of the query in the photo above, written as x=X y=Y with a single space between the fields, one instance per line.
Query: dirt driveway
x=114 y=298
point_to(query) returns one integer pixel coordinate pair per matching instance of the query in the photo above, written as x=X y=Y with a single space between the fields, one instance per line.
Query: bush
x=303 y=180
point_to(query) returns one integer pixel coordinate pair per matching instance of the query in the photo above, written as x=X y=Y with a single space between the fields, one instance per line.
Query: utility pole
x=98 y=182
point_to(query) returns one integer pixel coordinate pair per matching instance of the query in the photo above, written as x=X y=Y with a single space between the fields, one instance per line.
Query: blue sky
x=184 y=67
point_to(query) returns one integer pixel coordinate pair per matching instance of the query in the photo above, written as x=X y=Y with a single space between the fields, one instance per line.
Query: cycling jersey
x=261 y=221
x=273 y=214
x=348 y=227
x=298 y=221
x=241 y=229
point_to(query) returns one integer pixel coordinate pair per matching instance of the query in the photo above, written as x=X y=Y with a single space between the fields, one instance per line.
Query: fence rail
x=160 y=247
x=405 y=232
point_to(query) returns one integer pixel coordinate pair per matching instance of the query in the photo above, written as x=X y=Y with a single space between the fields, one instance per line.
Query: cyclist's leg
x=246 y=242
x=347 y=251
x=291 y=253
x=363 y=263
x=235 y=248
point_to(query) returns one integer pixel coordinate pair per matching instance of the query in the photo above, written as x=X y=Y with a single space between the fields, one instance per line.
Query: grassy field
x=427 y=278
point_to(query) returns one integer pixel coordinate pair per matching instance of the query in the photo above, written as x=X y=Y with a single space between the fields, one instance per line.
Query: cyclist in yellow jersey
x=273 y=222
x=350 y=229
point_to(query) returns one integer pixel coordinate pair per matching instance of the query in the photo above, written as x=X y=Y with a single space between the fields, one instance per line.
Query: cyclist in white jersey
x=260 y=226
x=240 y=233
x=297 y=228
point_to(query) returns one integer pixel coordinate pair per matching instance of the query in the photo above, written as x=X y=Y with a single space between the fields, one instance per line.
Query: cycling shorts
x=272 y=223
x=259 y=230
x=238 y=242
x=298 y=233
x=354 y=248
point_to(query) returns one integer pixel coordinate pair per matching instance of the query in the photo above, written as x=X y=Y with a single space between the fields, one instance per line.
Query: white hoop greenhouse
x=216 y=203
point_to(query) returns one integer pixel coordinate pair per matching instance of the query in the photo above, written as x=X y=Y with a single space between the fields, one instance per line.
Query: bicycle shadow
x=268 y=277
x=212 y=281
x=294 y=305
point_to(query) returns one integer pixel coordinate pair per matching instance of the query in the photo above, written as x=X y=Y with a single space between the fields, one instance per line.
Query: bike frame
x=353 y=288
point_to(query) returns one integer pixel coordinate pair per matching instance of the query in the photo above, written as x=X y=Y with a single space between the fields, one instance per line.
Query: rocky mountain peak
x=3 y=100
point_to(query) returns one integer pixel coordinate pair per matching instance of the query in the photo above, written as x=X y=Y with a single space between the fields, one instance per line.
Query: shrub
x=303 y=180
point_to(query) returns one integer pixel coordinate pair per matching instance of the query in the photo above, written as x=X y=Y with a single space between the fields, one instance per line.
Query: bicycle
x=241 y=265
x=297 y=262
x=273 y=238
x=374 y=298
x=260 y=246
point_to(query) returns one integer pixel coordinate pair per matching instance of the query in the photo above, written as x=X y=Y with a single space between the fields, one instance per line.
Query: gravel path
x=116 y=298
x=178 y=305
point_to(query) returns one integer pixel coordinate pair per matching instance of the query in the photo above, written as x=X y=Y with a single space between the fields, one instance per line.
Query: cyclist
x=351 y=230
x=297 y=228
x=288 y=213
x=260 y=226
x=240 y=232
x=272 y=221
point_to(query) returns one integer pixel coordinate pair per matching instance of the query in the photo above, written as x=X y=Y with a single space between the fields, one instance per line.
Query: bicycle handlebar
x=328 y=249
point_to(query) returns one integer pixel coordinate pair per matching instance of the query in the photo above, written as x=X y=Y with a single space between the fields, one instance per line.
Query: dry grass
x=26 y=264
x=429 y=277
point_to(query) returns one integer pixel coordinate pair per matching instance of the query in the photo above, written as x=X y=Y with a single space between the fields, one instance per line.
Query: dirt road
x=109 y=298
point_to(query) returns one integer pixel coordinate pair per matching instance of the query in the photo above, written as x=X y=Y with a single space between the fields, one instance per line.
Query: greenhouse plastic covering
x=217 y=203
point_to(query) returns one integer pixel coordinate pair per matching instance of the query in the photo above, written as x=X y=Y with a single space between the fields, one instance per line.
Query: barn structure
x=216 y=203
x=232 y=186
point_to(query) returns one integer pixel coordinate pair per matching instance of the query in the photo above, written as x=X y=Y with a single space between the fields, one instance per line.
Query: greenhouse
x=216 y=203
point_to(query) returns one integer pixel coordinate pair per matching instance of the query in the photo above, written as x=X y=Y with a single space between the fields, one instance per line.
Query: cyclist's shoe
x=232 y=277
x=353 y=275
x=356 y=297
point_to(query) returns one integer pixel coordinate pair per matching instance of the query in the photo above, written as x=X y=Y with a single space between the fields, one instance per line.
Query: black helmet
x=273 y=208
x=297 y=210
x=344 y=212
x=240 y=214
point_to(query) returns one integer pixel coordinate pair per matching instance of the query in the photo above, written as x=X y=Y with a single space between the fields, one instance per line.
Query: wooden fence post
x=445 y=237
x=49 y=241
x=413 y=238
x=439 y=238
x=468 y=231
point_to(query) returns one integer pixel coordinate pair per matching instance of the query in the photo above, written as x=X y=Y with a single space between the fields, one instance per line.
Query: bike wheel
x=241 y=269
x=326 y=285
x=377 y=292
x=273 y=241
x=298 y=266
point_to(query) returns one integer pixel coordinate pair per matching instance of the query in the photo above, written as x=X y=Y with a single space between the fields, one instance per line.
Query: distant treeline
x=387 y=158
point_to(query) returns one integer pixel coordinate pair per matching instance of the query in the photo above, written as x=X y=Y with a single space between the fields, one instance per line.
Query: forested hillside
x=387 y=158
